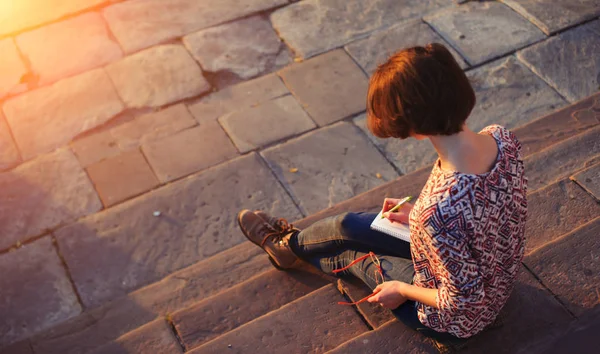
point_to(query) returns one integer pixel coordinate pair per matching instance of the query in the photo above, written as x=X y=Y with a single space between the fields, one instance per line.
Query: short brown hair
x=419 y=90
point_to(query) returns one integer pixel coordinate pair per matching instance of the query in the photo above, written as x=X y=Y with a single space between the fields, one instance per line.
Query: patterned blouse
x=467 y=239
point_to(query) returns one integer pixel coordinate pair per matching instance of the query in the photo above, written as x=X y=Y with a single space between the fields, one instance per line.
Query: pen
x=404 y=200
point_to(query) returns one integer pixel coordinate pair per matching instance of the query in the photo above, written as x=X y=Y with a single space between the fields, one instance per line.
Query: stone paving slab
x=54 y=54
x=333 y=164
x=36 y=292
x=9 y=154
x=189 y=151
x=25 y=14
x=139 y=24
x=509 y=94
x=374 y=314
x=563 y=159
x=155 y=337
x=315 y=323
x=122 y=177
x=157 y=76
x=12 y=68
x=556 y=210
x=133 y=247
x=22 y=347
x=376 y=48
x=589 y=179
x=481 y=31
x=312 y=27
x=269 y=122
x=330 y=87
x=552 y=16
x=570 y=62
x=244 y=95
x=239 y=50
x=50 y=117
x=568 y=266
x=579 y=337
x=406 y=155
x=226 y=311
x=178 y=290
x=393 y=338
x=42 y=194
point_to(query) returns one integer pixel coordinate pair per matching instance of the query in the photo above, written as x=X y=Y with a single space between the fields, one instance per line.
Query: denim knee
x=344 y=222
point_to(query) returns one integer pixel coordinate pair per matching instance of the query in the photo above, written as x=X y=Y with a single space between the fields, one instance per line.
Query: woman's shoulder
x=507 y=138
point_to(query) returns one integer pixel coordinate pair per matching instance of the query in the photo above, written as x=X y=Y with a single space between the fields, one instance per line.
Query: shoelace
x=379 y=271
x=278 y=235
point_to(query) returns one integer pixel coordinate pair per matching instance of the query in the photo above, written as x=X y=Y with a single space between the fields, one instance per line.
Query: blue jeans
x=335 y=242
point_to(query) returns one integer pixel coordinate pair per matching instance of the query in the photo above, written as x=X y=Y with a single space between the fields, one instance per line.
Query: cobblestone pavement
x=132 y=131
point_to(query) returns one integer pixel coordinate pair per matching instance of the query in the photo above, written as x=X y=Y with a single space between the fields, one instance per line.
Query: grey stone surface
x=482 y=31
x=407 y=155
x=189 y=151
x=243 y=49
x=36 y=292
x=330 y=87
x=12 y=68
x=247 y=94
x=157 y=76
x=509 y=94
x=334 y=164
x=589 y=179
x=50 y=117
x=154 y=337
x=95 y=147
x=54 y=54
x=570 y=62
x=9 y=154
x=554 y=15
x=42 y=194
x=376 y=48
x=312 y=27
x=198 y=219
x=264 y=124
x=139 y=24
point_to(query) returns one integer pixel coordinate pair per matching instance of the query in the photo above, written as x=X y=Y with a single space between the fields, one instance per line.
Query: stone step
x=238 y=305
x=314 y=323
x=154 y=337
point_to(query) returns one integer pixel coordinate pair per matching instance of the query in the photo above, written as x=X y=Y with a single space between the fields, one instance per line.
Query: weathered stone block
x=243 y=49
x=36 y=292
x=178 y=290
x=315 y=323
x=189 y=151
x=133 y=247
x=9 y=155
x=244 y=95
x=509 y=94
x=482 y=31
x=316 y=26
x=570 y=62
x=335 y=163
x=157 y=76
x=54 y=54
x=355 y=290
x=569 y=267
x=376 y=48
x=589 y=179
x=563 y=159
x=271 y=121
x=226 y=311
x=122 y=177
x=139 y=24
x=552 y=16
x=95 y=147
x=25 y=14
x=42 y=194
x=50 y=117
x=12 y=68
x=155 y=337
x=330 y=87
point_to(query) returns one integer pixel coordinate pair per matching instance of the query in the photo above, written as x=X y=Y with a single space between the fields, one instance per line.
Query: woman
x=466 y=227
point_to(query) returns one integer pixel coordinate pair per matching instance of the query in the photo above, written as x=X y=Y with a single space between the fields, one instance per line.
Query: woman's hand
x=388 y=294
x=401 y=215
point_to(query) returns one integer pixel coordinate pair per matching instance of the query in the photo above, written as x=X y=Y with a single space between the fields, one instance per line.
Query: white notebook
x=396 y=229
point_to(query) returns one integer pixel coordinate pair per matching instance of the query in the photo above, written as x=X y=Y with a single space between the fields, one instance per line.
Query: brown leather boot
x=273 y=239
x=273 y=221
